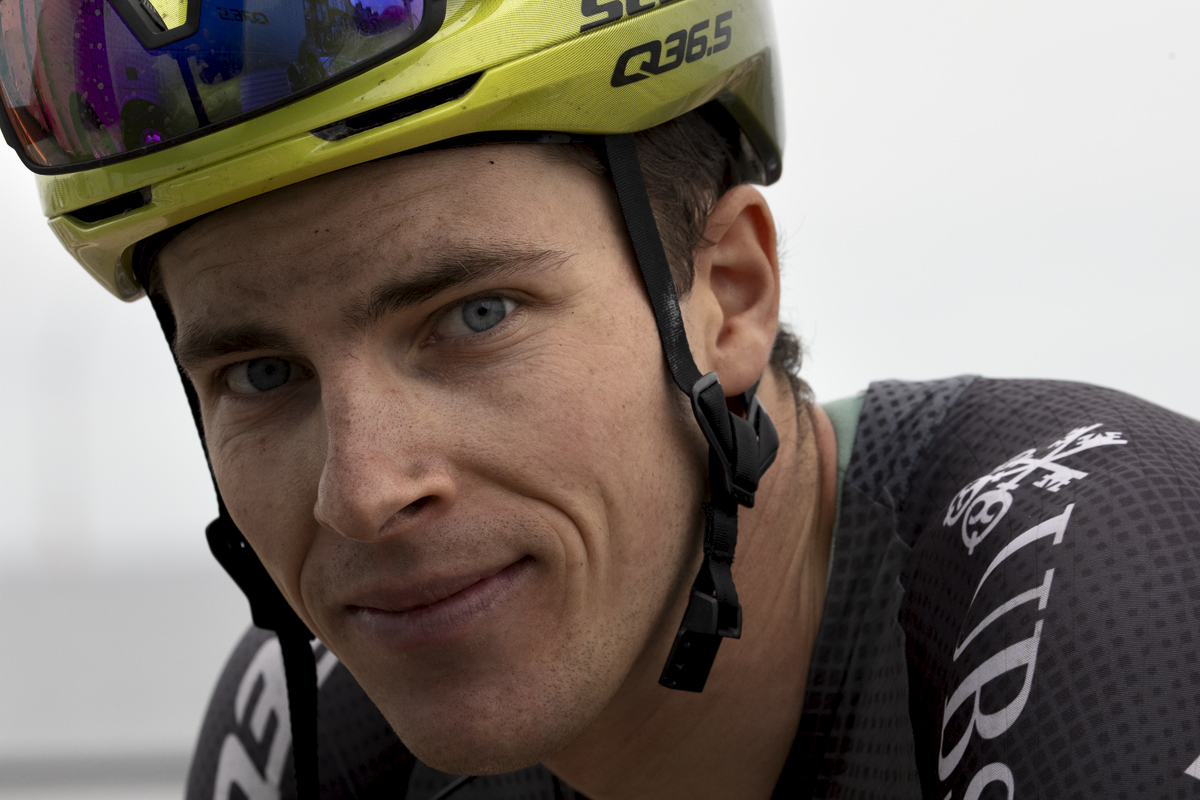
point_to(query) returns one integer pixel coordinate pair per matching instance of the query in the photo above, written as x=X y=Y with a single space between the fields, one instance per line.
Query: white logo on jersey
x=269 y=723
x=1022 y=655
x=980 y=511
x=980 y=506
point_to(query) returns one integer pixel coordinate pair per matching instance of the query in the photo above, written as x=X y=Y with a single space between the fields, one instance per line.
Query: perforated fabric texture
x=854 y=738
x=1014 y=600
x=1059 y=526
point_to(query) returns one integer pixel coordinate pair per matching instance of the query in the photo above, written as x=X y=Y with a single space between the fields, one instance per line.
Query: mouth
x=437 y=612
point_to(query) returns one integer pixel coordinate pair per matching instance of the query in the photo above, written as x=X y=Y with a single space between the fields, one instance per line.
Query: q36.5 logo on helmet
x=681 y=47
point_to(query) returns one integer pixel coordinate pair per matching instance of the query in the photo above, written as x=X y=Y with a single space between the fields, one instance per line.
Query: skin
x=548 y=459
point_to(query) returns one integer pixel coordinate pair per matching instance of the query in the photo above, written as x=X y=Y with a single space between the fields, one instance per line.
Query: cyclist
x=403 y=253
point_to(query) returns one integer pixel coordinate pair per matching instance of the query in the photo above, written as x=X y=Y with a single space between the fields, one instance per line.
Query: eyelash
x=475 y=337
x=220 y=376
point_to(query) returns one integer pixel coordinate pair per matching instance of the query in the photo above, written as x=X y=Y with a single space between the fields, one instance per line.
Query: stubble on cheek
x=269 y=497
x=497 y=702
x=534 y=718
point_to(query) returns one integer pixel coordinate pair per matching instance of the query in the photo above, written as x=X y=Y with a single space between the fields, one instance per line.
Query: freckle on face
x=401 y=465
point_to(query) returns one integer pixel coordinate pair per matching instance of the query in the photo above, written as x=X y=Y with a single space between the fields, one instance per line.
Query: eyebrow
x=201 y=342
x=197 y=344
x=453 y=268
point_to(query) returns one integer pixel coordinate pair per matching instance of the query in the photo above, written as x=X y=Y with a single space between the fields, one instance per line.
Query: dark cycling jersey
x=1013 y=611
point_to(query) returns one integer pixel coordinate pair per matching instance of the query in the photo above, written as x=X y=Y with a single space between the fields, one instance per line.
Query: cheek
x=589 y=424
x=268 y=482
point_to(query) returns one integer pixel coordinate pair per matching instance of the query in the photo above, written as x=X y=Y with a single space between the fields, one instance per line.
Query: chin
x=465 y=743
x=465 y=715
x=492 y=704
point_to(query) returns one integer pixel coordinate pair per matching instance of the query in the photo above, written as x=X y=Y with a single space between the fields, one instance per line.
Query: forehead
x=325 y=234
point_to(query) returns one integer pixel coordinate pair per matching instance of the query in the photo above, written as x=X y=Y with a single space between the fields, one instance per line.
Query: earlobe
x=736 y=289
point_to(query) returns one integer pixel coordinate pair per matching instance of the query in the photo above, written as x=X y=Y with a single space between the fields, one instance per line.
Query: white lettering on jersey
x=1194 y=769
x=1055 y=527
x=980 y=506
x=235 y=765
x=1041 y=594
x=989 y=775
x=1023 y=654
x=980 y=511
x=235 y=768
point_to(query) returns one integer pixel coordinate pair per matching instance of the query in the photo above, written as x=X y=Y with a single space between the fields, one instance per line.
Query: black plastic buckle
x=702 y=615
x=695 y=645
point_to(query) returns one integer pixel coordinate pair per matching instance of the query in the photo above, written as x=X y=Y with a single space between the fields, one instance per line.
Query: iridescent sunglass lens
x=80 y=83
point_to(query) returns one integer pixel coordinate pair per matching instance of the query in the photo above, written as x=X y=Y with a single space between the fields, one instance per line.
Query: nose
x=381 y=468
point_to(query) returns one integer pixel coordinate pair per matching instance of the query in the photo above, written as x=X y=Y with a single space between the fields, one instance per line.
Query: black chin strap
x=740 y=448
x=268 y=609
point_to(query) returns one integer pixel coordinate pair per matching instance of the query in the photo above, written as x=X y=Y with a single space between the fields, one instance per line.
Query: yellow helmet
x=177 y=108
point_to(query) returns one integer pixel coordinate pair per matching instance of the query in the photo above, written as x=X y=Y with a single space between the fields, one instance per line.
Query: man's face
x=436 y=406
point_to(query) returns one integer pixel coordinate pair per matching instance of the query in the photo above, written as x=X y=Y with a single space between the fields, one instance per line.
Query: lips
x=436 y=610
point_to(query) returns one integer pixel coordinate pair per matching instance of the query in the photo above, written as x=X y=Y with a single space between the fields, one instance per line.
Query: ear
x=732 y=311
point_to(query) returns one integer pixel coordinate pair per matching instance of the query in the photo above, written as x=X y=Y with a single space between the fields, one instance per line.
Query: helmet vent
x=98 y=212
x=415 y=104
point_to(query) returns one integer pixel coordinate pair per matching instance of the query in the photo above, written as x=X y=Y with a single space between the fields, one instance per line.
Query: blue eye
x=487 y=312
x=474 y=316
x=259 y=375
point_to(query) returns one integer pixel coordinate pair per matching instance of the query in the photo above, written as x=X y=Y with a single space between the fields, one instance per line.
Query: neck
x=732 y=739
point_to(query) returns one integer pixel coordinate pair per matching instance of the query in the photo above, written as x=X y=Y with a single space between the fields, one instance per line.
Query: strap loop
x=745 y=447
x=716 y=571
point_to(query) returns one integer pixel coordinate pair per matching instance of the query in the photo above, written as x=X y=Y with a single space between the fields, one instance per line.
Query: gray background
x=1006 y=188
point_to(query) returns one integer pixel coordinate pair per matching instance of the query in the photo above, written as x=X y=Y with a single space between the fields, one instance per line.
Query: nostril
x=415 y=506
x=410 y=510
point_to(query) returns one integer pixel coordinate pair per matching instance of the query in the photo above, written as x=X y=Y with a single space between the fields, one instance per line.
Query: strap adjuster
x=745 y=447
